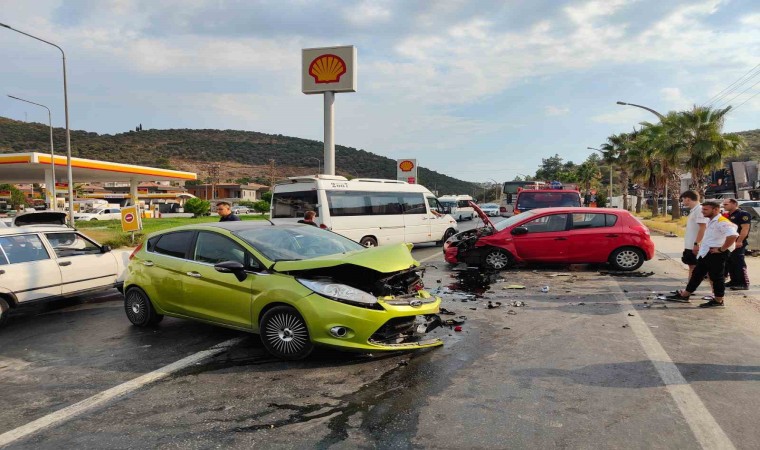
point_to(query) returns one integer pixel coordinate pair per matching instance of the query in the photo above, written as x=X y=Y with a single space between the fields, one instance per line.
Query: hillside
x=238 y=153
x=752 y=153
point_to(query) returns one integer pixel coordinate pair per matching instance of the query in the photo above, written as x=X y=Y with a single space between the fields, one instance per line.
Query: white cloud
x=368 y=12
x=552 y=110
x=675 y=99
x=625 y=115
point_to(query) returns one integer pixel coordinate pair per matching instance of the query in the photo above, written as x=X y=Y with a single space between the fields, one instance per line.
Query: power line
x=739 y=94
x=734 y=86
x=745 y=101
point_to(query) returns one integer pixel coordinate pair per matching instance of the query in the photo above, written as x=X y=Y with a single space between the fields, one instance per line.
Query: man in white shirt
x=695 y=229
x=720 y=235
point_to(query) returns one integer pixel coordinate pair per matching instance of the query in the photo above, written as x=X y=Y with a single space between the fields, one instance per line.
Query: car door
x=214 y=296
x=164 y=260
x=546 y=239
x=592 y=237
x=83 y=265
x=438 y=221
x=416 y=221
x=27 y=269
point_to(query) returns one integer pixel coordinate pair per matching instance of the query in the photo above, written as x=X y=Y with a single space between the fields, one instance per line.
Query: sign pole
x=329 y=132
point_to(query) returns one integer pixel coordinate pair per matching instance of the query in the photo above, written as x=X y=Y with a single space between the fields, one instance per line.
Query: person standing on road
x=308 y=218
x=225 y=213
x=736 y=266
x=695 y=229
x=720 y=235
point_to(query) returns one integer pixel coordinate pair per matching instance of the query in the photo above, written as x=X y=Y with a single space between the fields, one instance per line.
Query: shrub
x=197 y=206
x=261 y=206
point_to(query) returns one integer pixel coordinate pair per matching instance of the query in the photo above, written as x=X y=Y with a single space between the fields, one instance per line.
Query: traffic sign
x=130 y=219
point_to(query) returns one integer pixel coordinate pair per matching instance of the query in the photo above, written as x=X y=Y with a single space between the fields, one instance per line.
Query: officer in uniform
x=736 y=267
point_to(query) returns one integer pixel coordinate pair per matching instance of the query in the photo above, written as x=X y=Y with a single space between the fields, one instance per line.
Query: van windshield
x=287 y=205
x=533 y=200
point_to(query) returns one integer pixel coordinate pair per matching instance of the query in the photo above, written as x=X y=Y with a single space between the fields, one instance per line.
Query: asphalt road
x=588 y=364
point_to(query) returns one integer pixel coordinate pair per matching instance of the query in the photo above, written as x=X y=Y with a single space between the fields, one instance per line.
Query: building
x=229 y=192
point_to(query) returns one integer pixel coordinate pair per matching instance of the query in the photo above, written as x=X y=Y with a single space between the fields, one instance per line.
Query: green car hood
x=388 y=259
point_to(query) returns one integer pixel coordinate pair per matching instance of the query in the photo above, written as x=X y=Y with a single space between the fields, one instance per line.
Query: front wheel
x=368 y=241
x=627 y=259
x=139 y=309
x=450 y=232
x=497 y=259
x=284 y=333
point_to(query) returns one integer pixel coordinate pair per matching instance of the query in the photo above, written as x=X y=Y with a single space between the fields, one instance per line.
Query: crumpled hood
x=483 y=216
x=387 y=259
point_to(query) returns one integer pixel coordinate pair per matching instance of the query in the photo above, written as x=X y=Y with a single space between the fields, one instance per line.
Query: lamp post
x=52 y=153
x=661 y=117
x=66 y=112
x=319 y=163
x=609 y=199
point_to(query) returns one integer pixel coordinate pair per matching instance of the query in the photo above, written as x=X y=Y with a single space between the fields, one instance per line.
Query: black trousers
x=714 y=265
x=737 y=267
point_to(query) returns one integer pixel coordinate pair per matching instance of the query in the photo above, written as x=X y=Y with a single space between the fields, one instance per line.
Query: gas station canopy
x=32 y=168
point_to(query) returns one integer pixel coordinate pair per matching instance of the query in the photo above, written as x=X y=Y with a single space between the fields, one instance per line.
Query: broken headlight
x=340 y=292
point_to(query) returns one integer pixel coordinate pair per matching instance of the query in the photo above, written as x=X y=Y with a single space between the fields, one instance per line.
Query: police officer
x=736 y=266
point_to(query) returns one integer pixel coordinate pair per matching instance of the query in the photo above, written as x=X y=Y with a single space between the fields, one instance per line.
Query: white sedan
x=99 y=214
x=46 y=262
x=491 y=209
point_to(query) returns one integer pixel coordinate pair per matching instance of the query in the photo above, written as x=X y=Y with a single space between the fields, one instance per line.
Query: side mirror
x=232 y=267
x=105 y=249
x=519 y=230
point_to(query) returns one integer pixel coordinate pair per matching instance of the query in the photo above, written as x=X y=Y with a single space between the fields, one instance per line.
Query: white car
x=39 y=262
x=491 y=209
x=99 y=214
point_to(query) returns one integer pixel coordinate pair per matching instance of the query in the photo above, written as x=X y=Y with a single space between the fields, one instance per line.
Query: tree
x=267 y=196
x=261 y=206
x=550 y=168
x=587 y=174
x=617 y=145
x=197 y=206
x=18 y=199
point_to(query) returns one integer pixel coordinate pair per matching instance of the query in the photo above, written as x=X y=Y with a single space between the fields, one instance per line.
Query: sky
x=479 y=90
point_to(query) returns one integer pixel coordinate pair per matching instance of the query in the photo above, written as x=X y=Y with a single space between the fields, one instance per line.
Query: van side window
x=344 y=203
x=385 y=204
x=414 y=204
x=463 y=203
x=293 y=204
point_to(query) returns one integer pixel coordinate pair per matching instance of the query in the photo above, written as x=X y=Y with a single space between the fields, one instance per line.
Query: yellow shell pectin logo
x=406 y=166
x=327 y=68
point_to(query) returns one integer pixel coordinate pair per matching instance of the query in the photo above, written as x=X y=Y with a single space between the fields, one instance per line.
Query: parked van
x=369 y=211
x=460 y=206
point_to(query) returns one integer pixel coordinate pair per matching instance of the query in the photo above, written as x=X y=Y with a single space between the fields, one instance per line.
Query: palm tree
x=646 y=166
x=699 y=134
x=618 y=145
x=587 y=173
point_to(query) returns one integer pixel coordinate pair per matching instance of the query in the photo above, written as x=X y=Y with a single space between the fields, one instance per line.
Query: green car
x=297 y=286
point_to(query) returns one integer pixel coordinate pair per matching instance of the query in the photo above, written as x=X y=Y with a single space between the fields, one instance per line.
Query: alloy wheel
x=136 y=307
x=286 y=333
x=497 y=259
x=627 y=259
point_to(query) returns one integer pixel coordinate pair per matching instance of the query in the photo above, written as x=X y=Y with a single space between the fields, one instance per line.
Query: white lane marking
x=706 y=430
x=431 y=257
x=102 y=398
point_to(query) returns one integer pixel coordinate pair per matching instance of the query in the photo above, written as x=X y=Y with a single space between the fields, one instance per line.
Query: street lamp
x=66 y=112
x=661 y=117
x=52 y=153
x=597 y=150
x=319 y=163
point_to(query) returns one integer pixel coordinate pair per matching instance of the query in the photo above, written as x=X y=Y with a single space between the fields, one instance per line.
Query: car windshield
x=447 y=203
x=513 y=220
x=488 y=205
x=531 y=200
x=292 y=243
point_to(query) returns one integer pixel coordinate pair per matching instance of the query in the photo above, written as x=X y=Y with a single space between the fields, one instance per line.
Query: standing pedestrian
x=736 y=266
x=695 y=229
x=308 y=218
x=225 y=213
x=720 y=235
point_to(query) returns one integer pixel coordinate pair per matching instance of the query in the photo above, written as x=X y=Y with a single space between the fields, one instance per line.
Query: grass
x=664 y=224
x=108 y=232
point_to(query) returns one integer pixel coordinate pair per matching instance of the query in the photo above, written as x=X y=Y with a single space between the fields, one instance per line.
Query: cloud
x=623 y=116
x=556 y=110
x=675 y=99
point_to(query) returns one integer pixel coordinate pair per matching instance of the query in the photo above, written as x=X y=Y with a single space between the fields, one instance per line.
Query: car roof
x=34 y=229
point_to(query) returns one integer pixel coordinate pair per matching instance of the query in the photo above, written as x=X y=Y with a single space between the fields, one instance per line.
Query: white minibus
x=369 y=211
x=459 y=205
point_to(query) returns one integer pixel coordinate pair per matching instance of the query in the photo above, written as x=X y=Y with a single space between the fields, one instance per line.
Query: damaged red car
x=554 y=235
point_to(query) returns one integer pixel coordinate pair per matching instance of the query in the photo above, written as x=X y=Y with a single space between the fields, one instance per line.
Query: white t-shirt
x=692 y=226
x=718 y=229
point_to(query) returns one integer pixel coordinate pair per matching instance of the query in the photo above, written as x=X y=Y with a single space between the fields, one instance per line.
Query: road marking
x=706 y=430
x=101 y=398
x=430 y=257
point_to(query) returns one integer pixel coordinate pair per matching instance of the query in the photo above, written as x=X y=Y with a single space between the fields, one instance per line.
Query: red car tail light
x=139 y=247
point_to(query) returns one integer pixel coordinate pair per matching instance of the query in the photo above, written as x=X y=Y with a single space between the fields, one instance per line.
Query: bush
x=261 y=206
x=197 y=206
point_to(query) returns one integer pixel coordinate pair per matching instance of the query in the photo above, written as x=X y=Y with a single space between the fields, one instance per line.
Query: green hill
x=752 y=153
x=164 y=148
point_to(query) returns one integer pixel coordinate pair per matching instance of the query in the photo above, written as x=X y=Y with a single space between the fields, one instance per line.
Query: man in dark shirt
x=308 y=218
x=225 y=213
x=736 y=266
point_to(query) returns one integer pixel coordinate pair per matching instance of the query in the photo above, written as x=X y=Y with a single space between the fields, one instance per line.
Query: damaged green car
x=297 y=286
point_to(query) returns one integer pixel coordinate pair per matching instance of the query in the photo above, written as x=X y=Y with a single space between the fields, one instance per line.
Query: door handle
x=612 y=235
x=194 y=274
x=560 y=239
x=64 y=263
x=147 y=263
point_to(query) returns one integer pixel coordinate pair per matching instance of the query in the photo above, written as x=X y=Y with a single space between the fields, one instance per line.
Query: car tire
x=497 y=259
x=284 y=333
x=5 y=308
x=450 y=232
x=139 y=308
x=368 y=241
x=626 y=259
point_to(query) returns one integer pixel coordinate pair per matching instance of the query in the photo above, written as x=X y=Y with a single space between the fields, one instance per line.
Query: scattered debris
x=446 y=312
x=518 y=303
x=661 y=297
x=620 y=273
x=625 y=290
x=474 y=309
x=493 y=305
x=506 y=328
x=512 y=312
x=403 y=362
x=581 y=304
x=653 y=326
x=630 y=315
x=625 y=326
x=560 y=275
x=545 y=289
x=514 y=286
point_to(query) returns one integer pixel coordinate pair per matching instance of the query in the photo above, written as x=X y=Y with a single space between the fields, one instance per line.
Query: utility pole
x=271 y=175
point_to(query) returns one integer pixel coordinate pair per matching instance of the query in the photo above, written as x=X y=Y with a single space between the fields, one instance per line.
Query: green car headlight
x=341 y=292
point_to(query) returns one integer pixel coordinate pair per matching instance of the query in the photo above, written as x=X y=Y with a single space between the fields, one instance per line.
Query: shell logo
x=327 y=68
x=406 y=166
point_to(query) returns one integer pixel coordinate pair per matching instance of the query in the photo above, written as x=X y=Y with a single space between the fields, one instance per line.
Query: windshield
x=513 y=220
x=293 y=243
x=532 y=200
x=448 y=203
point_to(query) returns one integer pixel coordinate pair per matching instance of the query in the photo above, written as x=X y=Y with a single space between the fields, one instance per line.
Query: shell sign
x=328 y=69
x=406 y=170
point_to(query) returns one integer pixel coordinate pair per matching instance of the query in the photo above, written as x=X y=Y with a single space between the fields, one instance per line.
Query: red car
x=554 y=235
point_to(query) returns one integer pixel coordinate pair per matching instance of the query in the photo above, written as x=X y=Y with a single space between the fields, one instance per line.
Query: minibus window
x=414 y=204
x=293 y=204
